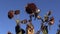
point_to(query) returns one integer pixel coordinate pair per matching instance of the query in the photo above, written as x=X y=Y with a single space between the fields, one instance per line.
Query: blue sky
x=45 y=5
